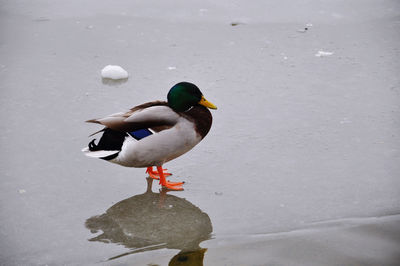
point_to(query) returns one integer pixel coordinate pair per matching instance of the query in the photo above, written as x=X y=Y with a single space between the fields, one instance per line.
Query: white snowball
x=323 y=53
x=114 y=72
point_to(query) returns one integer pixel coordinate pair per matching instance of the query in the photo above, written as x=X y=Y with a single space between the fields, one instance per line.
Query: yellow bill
x=206 y=103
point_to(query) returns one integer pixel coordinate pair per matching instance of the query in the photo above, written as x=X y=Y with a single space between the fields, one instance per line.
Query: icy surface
x=114 y=72
x=302 y=156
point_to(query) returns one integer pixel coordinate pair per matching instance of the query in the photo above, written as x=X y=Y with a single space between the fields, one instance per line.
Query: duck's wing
x=155 y=115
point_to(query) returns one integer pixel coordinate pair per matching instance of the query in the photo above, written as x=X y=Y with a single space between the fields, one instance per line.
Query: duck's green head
x=184 y=95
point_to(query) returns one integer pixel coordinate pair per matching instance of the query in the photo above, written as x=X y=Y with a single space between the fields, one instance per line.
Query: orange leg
x=154 y=174
x=168 y=184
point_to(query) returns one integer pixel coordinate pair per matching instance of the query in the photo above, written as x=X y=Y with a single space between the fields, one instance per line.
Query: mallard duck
x=154 y=133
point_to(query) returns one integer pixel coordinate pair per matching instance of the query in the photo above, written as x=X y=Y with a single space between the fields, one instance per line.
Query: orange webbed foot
x=165 y=183
x=155 y=174
x=176 y=186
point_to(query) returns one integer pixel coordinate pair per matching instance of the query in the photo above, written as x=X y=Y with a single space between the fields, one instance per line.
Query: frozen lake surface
x=301 y=166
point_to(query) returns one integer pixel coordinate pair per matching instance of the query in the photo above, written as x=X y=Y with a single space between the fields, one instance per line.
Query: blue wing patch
x=140 y=134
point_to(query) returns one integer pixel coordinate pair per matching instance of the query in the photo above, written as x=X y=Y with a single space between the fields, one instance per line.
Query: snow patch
x=323 y=54
x=114 y=72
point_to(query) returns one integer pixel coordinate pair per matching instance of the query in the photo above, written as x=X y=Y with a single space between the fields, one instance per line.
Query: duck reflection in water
x=153 y=221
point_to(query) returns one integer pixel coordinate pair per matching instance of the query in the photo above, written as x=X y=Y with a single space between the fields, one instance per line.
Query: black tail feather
x=93 y=146
x=111 y=140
